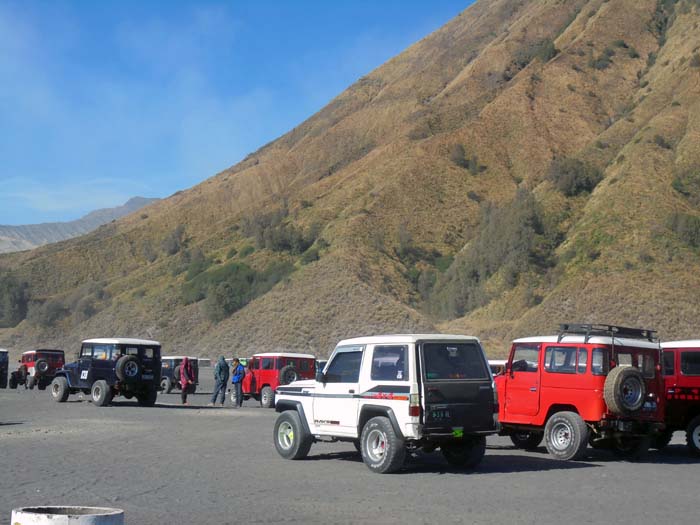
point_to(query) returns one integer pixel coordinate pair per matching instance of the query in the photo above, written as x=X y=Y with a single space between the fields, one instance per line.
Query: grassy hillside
x=529 y=163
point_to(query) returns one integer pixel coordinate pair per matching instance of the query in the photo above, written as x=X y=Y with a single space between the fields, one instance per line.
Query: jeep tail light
x=414 y=405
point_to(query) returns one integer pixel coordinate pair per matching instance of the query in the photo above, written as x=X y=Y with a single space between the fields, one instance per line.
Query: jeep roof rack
x=589 y=330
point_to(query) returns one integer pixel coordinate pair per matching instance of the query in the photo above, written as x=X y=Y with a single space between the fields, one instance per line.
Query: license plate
x=440 y=414
x=147 y=376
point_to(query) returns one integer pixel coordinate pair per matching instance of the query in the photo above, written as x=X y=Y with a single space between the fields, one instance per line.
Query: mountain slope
x=26 y=237
x=529 y=163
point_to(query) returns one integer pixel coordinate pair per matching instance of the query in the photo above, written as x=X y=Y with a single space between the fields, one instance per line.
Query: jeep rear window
x=454 y=361
x=690 y=363
x=643 y=361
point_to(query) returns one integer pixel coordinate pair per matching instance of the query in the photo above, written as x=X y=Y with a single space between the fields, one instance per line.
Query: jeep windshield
x=446 y=361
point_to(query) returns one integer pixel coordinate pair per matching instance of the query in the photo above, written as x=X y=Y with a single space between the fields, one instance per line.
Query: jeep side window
x=669 y=364
x=148 y=353
x=268 y=363
x=256 y=364
x=690 y=363
x=86 y=351
x=560 y=359
x=389 y=363
x=582 y=360
x=526 y=358
x=131 y=350
x=599 y=362
x=101 y=352
x=345 y=368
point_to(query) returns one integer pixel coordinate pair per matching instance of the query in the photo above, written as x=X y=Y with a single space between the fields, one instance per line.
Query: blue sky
x=101 y=101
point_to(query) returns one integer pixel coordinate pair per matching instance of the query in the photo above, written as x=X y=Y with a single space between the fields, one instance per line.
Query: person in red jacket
x=186 y=379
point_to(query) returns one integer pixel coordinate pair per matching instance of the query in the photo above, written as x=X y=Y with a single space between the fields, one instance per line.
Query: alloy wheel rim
x=562 y=436
x=54 y=389
x=696 y=437
x=285 y=435
x=96 y=392
x=376 y=445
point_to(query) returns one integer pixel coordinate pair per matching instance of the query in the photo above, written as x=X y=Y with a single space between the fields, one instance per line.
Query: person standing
x=237 y=375
x=186 y=379
x=221 y=379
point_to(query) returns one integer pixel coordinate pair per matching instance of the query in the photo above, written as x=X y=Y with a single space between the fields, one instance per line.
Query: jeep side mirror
x=320 y=378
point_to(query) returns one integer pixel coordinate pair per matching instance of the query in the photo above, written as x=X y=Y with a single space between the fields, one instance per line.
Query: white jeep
x=391 y=394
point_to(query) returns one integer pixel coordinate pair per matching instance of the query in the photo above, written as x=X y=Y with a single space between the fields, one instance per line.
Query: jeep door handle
x=533 y=389
x=351 y=391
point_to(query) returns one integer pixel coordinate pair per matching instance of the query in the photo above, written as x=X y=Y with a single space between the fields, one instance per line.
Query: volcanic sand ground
x=213 y=465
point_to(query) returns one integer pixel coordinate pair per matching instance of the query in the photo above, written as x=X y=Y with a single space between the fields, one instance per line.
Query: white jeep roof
x=689 y=343
x=178 y=357
x=3 y=350
x=404 y=338
x=595 y=340
x=122 y=341
x=42 y=350
x=283 y=354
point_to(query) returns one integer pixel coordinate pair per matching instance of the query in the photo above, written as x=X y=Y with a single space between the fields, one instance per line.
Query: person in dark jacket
x=221 y=379
x=237 y=375
x=186 y=379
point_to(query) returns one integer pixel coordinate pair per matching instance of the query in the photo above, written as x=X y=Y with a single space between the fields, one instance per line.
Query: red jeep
x=37 y=368
x=265 y=372
x=682 y=377
x=591 y=384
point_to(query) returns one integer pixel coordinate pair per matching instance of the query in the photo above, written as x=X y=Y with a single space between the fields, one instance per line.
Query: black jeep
x=170 y=373
x=110 y=367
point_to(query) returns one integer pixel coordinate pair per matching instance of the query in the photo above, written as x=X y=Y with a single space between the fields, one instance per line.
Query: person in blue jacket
x=221 y=378
x=237 y=375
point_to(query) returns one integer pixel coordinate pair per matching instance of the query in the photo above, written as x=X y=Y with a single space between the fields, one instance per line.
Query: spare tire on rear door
x=624 y=390
x=41 y=367
x=288 y=374
x=128 y=368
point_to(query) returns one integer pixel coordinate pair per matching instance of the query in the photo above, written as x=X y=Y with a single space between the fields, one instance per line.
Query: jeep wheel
x=176 y=378
x=13 y=381
x=692 y=435
x=288 y=374
x=662 y=440
x=41 y=367
x=101 y=393
x=466 y=453
x=31 y=382
x=566 y=436
x=291 y=441
x=59 y=389
x=147 y=399
x=166 y=385
x=624 y=390
x=382 y=450
x=527 y=440
x=128 y=368
x=631 y=448
x=267 y=397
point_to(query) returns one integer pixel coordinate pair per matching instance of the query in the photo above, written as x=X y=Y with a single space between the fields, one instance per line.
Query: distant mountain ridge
x=26 y=237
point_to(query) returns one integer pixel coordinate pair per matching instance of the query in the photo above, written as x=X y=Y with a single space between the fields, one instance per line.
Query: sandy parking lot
x=211 y=465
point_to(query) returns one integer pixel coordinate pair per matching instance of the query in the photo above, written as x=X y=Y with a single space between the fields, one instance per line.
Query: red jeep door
x=523 y=382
